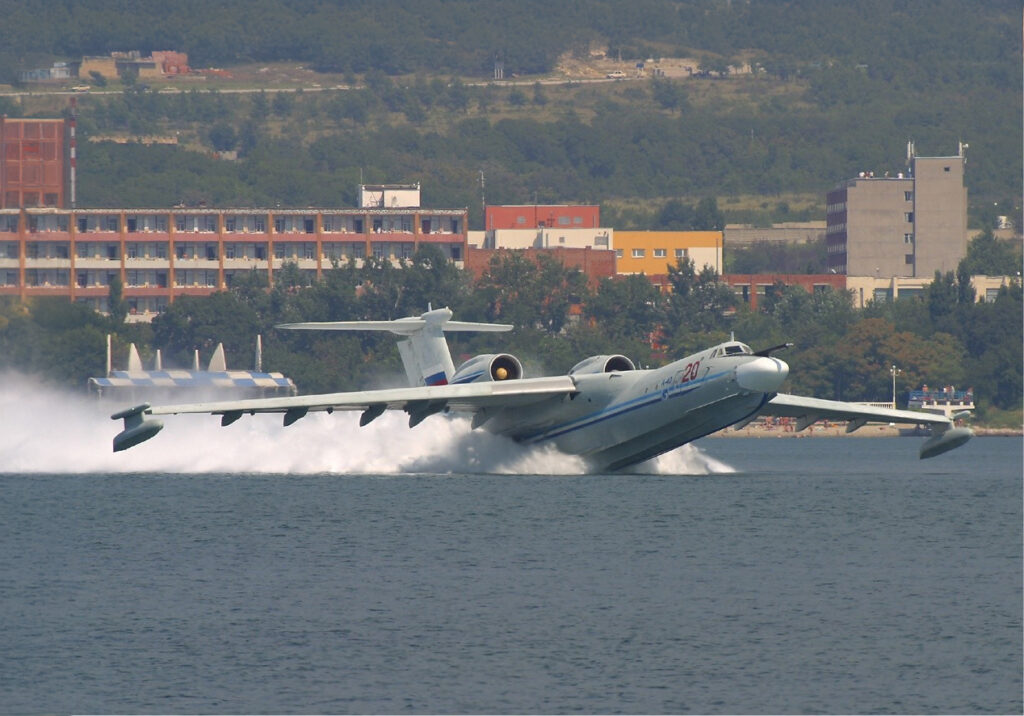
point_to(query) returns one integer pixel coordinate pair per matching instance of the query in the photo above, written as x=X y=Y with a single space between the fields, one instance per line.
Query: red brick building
x=594 y=263
x=752 y=288
x=531 y=216
x=32 y=165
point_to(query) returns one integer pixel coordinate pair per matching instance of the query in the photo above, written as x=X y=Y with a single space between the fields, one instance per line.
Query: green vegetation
x=942 y=338
x=837 y=89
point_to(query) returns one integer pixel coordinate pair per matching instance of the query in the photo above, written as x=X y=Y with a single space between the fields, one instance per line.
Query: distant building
x=594 y=263
x=910 y=224
x=790 y=232
x=753 y=289
x=161 y=63
x=160 y=254
x=389 y=196
x=869 y=288
x=653 y=252
x=532 y=216
x=32 y=166
x=58 y=72
x=544 y=238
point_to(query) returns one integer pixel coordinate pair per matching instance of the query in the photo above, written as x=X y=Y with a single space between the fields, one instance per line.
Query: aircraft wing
x=419 y=402
x=814 y=409
x=807 y=411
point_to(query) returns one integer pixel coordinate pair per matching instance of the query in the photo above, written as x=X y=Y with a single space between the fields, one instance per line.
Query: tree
x=117 y=305
x=626 y=308
x=707 y=217
x=223 y=137
x=988 y=256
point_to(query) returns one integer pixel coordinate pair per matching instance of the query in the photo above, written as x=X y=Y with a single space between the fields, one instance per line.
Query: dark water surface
x=824 y=575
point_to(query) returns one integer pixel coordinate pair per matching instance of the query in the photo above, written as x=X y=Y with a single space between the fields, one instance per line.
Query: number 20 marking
x=690 y=372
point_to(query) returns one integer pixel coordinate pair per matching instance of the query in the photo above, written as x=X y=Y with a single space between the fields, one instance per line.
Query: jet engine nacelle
x=602 y=364
x=489 y=367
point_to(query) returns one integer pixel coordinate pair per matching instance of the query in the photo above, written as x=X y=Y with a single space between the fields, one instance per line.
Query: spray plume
x=46 y=430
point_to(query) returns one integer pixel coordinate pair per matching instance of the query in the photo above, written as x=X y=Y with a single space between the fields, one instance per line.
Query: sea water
x=331 y=569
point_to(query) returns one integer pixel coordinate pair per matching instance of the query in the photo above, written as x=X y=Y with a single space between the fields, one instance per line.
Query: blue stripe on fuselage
x=615 y=411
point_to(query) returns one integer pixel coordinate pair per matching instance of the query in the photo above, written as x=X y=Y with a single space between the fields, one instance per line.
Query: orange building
x=652 y=252
x=32 y=161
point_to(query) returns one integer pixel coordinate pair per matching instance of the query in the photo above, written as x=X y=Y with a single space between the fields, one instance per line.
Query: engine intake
x=489 y=367
x=603 y=364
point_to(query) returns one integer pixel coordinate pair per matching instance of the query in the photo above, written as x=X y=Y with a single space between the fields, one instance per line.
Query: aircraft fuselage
x=618 y=419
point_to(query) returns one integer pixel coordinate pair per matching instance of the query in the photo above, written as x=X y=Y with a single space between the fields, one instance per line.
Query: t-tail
x=422 y=345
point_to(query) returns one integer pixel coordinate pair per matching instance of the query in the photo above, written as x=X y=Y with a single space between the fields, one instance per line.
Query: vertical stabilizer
x=217 y=362
x=423 y=347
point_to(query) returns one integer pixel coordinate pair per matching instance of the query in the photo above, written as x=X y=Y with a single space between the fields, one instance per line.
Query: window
x=909 y=216
x=111 y=223
x=563 y=220
x=260 y=224
x=908 y=238
x=618 y=253
x=279 y=224
x=577 y=220
x=682 y=253
x=161 y=223
x=660 y=253
x=638 y=253
x=229 y=224
x=909 y=259
x=908 y=196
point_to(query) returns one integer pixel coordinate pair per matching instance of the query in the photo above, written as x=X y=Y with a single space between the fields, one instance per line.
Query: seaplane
x=605 y=410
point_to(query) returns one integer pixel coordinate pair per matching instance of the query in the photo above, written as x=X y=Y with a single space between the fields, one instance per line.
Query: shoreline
x=839 y=431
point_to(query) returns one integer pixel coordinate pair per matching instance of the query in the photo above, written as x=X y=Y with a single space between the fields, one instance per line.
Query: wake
x=46 y=430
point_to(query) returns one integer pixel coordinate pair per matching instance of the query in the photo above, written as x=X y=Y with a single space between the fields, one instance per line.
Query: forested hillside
x=405 y=96
x=838 y=88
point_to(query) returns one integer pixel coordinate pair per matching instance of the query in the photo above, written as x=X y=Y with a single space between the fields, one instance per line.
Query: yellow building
x=652 y=252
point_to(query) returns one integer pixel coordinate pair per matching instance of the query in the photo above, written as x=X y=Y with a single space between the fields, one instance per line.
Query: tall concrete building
x=911 y=224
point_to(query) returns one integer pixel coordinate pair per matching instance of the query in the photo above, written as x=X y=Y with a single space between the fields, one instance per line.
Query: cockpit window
x=737 y=349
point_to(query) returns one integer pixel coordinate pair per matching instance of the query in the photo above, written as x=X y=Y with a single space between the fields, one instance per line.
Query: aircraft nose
x=763 y=375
